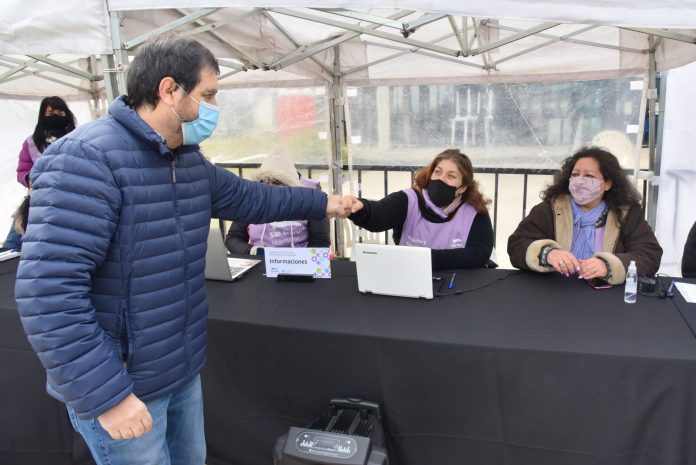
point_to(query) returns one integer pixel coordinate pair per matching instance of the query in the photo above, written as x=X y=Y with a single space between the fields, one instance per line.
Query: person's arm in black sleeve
x=382 y=215
x=479 y=246
x=689 y=258
x=319 y=233
x=237 y=240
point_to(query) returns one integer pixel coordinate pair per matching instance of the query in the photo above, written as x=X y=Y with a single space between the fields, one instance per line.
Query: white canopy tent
x=531 y=41
x=80 y=49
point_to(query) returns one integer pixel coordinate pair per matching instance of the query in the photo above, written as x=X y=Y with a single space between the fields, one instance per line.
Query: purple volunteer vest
x=310 y=183
x=418 y=231
x=279 y=234
x=282 y=233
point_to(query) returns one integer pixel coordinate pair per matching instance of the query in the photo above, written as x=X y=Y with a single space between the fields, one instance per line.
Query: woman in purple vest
x=279 y=170
x=55 y=121
x=590 y=224
x=444 y=210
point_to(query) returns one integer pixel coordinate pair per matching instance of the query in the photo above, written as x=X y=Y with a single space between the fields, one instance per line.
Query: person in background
x=688 y=264
x=55 y=121
x=444 y=210
x=19 y=225
x=278 y=169
x=590 y=223
x=110 y=286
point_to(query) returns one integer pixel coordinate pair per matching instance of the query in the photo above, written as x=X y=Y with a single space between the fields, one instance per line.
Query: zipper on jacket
x=125 y=329
x=186 y=266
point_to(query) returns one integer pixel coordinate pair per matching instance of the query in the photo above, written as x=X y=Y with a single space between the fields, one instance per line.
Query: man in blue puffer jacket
x=111 y=286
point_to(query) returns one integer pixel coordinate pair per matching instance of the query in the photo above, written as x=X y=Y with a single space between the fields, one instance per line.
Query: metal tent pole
x=653 y=157
x=337 y=122
x=115 y=66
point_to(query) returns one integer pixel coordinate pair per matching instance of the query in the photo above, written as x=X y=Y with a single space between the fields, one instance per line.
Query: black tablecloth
x=34 y=428
x=522 y=369
x=529 y=369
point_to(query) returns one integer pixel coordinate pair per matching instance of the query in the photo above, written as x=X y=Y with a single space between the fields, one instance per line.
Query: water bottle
x=631 y=284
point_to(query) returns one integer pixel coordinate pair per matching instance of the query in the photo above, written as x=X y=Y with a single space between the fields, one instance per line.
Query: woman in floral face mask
x=444 y=210
x=590 y=224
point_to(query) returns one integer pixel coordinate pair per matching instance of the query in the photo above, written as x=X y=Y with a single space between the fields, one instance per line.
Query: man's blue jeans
x=176 y=438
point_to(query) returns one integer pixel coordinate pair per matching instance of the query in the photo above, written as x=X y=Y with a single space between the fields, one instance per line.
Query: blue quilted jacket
x=110 y=287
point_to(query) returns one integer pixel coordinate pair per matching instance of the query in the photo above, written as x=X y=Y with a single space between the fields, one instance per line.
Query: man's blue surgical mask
x=201 y=128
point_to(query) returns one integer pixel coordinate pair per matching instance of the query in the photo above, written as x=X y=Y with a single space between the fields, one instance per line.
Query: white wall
x=676 y=210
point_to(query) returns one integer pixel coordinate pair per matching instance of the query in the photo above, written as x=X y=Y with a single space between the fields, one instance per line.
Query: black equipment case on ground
x=350 y=433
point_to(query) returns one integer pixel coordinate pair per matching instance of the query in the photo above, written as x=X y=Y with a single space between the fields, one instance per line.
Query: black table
x=526 y=369
x=34 y=428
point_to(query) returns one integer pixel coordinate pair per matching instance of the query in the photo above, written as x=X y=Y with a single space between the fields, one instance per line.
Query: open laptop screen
x=218 y=265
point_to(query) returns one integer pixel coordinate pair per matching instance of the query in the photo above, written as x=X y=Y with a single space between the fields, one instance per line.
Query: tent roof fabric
x=678 y=14
x=282 y=45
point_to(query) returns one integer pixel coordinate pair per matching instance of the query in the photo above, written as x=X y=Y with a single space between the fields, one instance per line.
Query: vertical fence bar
x=360 y=171
x=360 y=182
x=645 y=198
x=524 y=196
x=386 y=189
x=495 y=210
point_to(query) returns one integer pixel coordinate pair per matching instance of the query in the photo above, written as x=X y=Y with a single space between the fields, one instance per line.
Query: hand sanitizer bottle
x=631 y=284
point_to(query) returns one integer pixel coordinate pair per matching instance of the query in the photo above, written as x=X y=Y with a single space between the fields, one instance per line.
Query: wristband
x=544 y=254
x=606 y=263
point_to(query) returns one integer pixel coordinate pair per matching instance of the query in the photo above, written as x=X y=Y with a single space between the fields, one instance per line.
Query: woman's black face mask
x=56 y=122
x=441 y=193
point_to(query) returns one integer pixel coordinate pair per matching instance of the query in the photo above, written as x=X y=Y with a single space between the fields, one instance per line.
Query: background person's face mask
x=584 y=190
x=56 y=122
x=201 y=128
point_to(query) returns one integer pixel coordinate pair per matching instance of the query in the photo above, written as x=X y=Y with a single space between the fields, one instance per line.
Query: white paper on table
x=688 y=291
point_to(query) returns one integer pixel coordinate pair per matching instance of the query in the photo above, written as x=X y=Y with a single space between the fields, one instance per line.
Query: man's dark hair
x=180 y=58
x=622 y=192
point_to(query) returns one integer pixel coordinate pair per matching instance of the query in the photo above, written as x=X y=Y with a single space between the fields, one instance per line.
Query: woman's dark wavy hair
x=622 y=192
x=42 y=130
x=20 y=223
x=472 y=195
x=180 y=58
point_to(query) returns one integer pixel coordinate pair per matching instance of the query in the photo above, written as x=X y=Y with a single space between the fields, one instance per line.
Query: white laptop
x=394 y=270
x=218 y=265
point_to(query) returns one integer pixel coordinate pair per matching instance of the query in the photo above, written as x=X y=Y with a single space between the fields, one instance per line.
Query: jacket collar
x=127 y=117
x=563 y=222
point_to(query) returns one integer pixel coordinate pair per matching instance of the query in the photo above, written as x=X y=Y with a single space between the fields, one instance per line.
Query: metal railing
x=526 y=173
